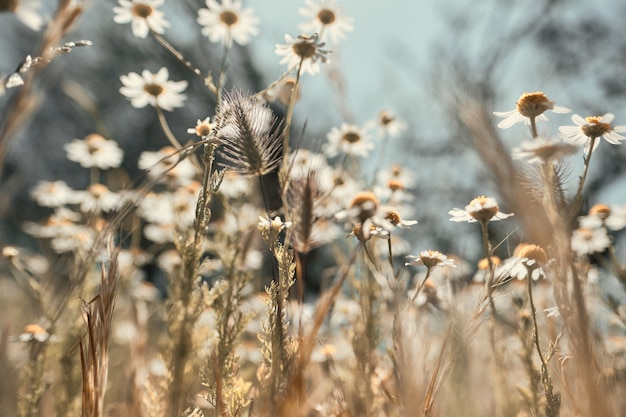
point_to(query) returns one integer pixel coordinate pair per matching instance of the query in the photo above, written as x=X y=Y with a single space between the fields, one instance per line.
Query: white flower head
x=587 y=241
x=364 y=215
x=387 y=124
x=52 y=193
x=542 y=151
x=529 y=106
x=429 y=259
x=303 y=50
x=202 y=129
x=94 y=152
x=143 y=15
x=228 y=22
x=592 y=127
x=348 y=139
x=27 y=11
x=166 y=165
x=481 y=209
x=153 y=89
x=326 y=19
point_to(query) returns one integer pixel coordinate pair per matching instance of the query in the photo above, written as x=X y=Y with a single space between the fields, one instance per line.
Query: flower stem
x=578 y=198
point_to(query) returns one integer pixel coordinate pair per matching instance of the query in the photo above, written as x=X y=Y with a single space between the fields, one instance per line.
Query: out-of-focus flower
x=349 y=139
x=153 y=89
x=392 y=216
x=364 y=215
x=33 y=333
x=94 y=151
x=535 y=261
x=166 y=164
x=542 y=151
x=592 y=127
x=429 y=259
x=481 y=209
x=529 y=105
x=228 y=22
x=327 y=19
x=483 y=269
x=304 y=50
x=26 y=11
x=202 y=128
x=97 y=198
x=52 y=193
x=587 y=241
x=251 y=135
x=143 y=15
x=387 y=124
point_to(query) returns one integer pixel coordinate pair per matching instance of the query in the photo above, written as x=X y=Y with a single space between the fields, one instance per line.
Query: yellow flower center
x=153 y=89
x=395 y=185
x=351 y=137
x=534 y=252
x=595 y=128
x=203 y=129
x=97 y=190
x=304 y=49
x=396 y=170
x=34 y=329
x=229 y=18
x=601 y=210
x=142 y=10
x=533 y=104
x=386 y=118
x=483 y=264
x=432 y=258
x=367 y=202
x=94 y=141
x=393 y=217
x=326 y=16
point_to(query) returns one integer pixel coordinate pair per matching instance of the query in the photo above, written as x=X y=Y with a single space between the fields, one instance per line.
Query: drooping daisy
x=304 y=50
x=591 y=128
x=529 y=106
x=542 y=151
x=534 y=261
x=228 y=22
x=393 y=216
x=94 y=151
x=153 y=89
x=430 y=258
x=143 y=15
x=587 y=241
x=349 y=139
x=326 y=19
x=481 y=209
x=387 y=124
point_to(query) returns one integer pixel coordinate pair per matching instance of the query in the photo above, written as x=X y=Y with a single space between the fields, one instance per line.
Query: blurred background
x=424 y=60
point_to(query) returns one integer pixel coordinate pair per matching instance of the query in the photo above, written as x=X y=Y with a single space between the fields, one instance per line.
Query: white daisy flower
x=166 y=165
x=542 y=151
x=326 y=19
x=27 y=11
x=349 y=139
x=94 y=151
x=364 y=215
x=304 y=50
x=387 y=124
x=97 y=198
x=143 y=16
x=429 y=259
x=592 y=127
x=153 y=89
x=52 y=193
x=77 y=238
x=587 y=241
x=228 y=22
x=33 y=333
x=482 y=209
x=392 y=216
x=202 y=128
x=529 y=106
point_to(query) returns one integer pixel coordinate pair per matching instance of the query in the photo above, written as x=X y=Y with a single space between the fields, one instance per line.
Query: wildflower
x=153 y=89
x=25 y=11
x=284 y=91
x=349 y=139
x=542 y=151
x=364 y=215
x=302 y=162
x=251 y=135
x=587 y=241
x=482 y=209
x=397 y=178
x=326 y=19
x=202 y=128
x=534 y=259
x=591 y=128
x=166 y=164
x=483 y=272
x=529 y=106
x=52 y=193
x=33 y=333
x=393 y=217
x=235 y=186
x=97 y=198
x=143 y=16
x=304 y=51
x=74 y=238
x=276 y=225
x=228 y=22
x=429 y=259
x=387 y=124
x=94 y=151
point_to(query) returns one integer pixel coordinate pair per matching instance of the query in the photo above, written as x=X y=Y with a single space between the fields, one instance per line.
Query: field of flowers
x=243 y=273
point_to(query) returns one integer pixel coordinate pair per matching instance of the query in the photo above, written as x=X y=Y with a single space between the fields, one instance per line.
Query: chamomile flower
x=587 y=241
x=481 y=209
x=534 y=261
x=591 y=128
x=429 y=259
x=327 y=19
x=529 y=106
x=364 y=215
x=166 y=165
x=303 y=50
x=27 y=11
x=153 y=89
x=52 y=193
x=228 y=22
x=348 y=139
x=392 y=216
x=202 y=128
x=387 y=124
x=542 y=151
x=94 y=151
x=97 y=198
x=143 y=15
